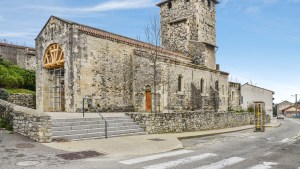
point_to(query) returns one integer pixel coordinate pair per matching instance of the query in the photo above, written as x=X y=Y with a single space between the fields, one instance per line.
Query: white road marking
x=294 y=121
x=182 y=161
x=265 y=165
x=268 y=153
x=285 y=140
x=223 y=163
x=154 y=157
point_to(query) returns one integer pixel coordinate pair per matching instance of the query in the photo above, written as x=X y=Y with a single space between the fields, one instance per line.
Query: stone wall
x=25 y=100
x=27 y=122
x=190 y=121
x=19 y=55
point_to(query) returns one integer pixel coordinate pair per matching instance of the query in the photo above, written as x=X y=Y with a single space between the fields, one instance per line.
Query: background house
x=291 y=111
x=251 y=93
x=19 y=55
x=283 y=105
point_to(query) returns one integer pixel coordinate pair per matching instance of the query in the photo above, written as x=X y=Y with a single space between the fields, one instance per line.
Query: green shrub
x=3 y=94
x=4 y=123
x=12 y=76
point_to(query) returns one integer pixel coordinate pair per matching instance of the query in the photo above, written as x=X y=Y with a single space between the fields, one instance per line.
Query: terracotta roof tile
x=30 y=49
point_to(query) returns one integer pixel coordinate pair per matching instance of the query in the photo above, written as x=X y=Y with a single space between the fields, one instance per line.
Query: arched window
x=180 y=83
x=202 y=85
x=208 y=3
x=217 y=85
x=54 y=57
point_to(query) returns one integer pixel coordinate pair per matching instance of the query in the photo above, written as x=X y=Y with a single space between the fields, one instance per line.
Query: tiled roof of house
x=258 y=87
x=17 y=46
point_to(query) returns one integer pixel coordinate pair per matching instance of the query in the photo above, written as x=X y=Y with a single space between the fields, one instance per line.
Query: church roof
x=122 y=39
x=119 y=38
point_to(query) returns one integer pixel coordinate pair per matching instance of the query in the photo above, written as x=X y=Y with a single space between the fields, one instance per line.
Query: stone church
x=116 y=72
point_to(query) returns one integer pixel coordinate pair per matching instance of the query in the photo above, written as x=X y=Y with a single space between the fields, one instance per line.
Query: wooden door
x=148 y=101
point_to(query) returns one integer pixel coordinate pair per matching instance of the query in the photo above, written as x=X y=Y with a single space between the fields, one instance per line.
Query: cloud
x=270 y=1
x=294 y=1
x=16 y=34
x=252 y=10
x=101 y=7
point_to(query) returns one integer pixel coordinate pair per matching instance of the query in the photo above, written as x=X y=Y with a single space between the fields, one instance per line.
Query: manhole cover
x=25 y=145
x=27 y=163
x=79 y=155
x=20 y=155
x=157 y=139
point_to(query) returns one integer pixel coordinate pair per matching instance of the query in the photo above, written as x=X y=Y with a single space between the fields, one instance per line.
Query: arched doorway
x=53 y=61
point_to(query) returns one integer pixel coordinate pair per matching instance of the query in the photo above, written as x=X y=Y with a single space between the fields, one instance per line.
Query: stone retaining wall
x=27 y=122
x=25 y=100
x=158 y=123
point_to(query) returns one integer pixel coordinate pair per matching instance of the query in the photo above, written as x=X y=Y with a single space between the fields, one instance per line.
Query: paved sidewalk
x=138 y=145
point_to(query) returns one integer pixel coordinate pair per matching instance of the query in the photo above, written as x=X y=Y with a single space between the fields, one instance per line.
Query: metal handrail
x=97 y=110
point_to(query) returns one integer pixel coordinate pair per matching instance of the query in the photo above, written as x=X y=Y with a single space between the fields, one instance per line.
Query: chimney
x=218 y=67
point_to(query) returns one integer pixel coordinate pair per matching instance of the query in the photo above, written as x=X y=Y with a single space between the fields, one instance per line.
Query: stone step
x=79 y=123
x=100 y=134
x=90 y=119
x=56 y=132
x=99 y=126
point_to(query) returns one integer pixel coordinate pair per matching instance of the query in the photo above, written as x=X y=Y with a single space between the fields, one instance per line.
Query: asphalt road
x=277 y=148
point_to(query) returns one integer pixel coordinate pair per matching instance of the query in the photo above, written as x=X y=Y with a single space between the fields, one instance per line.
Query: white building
x=251 y=94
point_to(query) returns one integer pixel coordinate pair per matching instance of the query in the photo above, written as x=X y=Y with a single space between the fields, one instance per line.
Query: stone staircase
x=94 y=128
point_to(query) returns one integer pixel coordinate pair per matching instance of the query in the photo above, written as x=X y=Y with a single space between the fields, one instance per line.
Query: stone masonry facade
x=189 y=26
x=19 y=55
x=234 y=96
x=116 y=72
x=25 y=100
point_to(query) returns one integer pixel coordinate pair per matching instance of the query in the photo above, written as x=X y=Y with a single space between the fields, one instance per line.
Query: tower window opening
x=169 y=5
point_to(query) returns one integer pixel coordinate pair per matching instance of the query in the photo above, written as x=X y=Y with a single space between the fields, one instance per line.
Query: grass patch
x=25 y=91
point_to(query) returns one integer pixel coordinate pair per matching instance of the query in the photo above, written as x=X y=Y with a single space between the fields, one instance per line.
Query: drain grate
x=80 y=155
x=25 y=145
x=157 y=139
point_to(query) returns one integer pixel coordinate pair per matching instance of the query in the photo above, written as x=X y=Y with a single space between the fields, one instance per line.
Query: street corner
x=273 y=125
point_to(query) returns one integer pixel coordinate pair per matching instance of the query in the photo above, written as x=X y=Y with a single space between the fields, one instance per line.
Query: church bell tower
x=189 y=26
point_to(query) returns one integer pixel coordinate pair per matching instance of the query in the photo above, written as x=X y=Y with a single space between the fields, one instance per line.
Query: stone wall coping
x=29 y=111
x=25 y=94
x=24 y=110
x=187 y=112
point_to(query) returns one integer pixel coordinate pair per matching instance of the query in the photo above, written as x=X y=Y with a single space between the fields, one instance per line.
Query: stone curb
x=212 y=134
x=273 y=126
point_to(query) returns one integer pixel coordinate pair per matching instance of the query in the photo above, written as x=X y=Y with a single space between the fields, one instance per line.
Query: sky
x=258 y=40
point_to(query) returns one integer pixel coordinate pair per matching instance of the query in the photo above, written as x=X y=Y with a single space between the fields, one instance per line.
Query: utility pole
x=296 y=102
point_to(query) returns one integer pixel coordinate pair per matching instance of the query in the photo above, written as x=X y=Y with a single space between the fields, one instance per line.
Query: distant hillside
x=14 y=77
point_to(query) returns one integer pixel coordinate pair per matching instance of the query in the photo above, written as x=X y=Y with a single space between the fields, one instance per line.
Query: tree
x=153 y=34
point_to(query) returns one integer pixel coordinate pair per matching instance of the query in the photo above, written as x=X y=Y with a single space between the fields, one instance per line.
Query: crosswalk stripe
x=223 y=163
x=265 y=165
x=180 y=161
x=284 y=140
x=154 y=157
